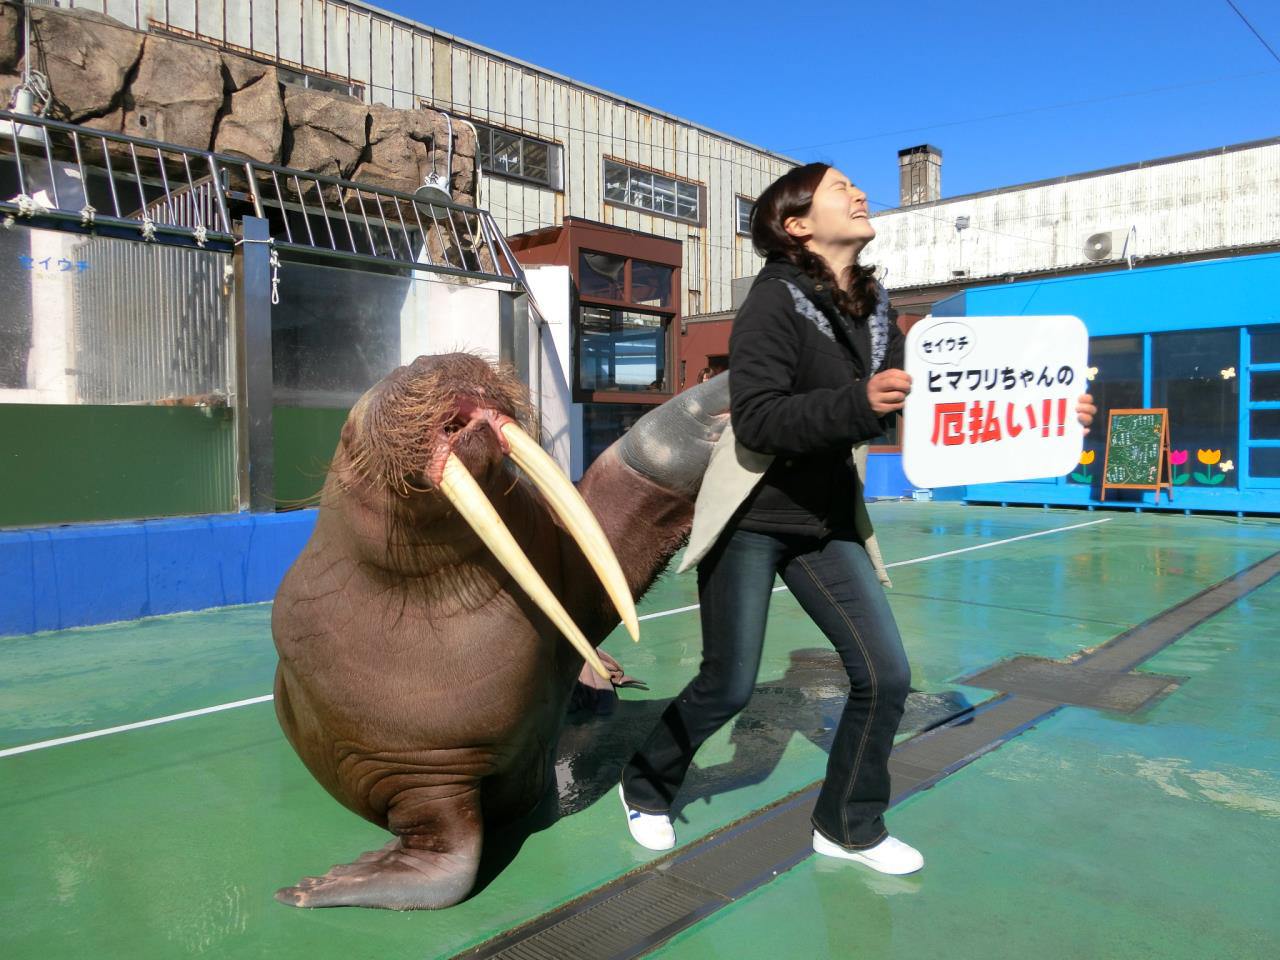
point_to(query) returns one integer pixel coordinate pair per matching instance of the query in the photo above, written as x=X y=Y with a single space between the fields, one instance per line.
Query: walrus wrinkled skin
x=418 y=683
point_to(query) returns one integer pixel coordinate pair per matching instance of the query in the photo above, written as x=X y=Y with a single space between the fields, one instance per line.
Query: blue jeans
x=835 y=584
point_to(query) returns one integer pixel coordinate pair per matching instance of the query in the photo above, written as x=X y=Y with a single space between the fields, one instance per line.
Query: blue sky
x=1010 y=91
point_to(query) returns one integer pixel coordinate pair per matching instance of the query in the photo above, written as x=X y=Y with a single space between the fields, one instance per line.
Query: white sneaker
x=650 y=830
x=890 y=855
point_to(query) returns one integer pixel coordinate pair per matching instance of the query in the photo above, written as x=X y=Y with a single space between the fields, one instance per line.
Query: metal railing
x=68 y=172
x=74 y=178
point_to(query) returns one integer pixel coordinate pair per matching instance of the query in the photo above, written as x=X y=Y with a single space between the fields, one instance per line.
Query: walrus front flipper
x=431 y=865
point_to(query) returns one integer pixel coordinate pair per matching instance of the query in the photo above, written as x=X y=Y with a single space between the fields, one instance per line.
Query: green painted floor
x=1093 y=835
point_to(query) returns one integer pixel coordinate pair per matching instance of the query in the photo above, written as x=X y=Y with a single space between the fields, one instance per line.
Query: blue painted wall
x=1238 y=292
x=57 y=577
x=1182 y=296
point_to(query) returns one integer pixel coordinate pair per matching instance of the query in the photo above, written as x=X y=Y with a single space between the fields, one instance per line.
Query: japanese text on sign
x=993 y=399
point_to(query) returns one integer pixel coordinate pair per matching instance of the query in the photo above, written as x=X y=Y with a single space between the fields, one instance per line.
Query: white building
x=1193 y=206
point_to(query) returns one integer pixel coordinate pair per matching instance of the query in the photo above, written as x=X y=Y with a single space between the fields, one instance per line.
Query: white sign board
x=993 y=399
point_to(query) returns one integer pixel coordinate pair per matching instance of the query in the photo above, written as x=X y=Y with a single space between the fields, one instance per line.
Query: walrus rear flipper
x=431 y=864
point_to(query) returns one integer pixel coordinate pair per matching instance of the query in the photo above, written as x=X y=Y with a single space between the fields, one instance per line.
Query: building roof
x=577 y=83
x=1050 y=181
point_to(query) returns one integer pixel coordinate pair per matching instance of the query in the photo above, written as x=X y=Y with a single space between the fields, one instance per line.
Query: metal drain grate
x=1074 y=683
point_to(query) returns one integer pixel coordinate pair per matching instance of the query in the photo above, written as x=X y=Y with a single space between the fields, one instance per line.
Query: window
x=621 y=350
x=1264 y=404
x=1189 y=376
x=744 y=206
x=518 y=157
x=1117 y=386
x=603 y=423
x=603 y=276
x=311 y=81
x=652 y=192
x=1264 y=344
x=650 y=284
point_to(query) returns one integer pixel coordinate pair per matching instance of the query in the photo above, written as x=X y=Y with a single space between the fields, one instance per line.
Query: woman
x=814 y=369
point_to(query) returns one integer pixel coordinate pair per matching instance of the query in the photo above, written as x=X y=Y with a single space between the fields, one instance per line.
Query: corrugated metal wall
x=1223 y=200
x=399 y=63
x=152 y=323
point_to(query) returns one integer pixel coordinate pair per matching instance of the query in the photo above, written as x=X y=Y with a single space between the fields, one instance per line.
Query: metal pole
x=507 y=355
x=253 y=367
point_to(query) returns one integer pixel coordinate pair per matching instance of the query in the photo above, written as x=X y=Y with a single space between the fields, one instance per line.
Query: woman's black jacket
x=798 y=390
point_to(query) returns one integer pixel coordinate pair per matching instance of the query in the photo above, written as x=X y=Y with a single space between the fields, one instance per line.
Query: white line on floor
x=94 y=734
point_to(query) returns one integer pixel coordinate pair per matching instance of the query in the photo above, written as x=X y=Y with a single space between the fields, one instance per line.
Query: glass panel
x=1186 y=377
x=506 y=152
x=744 y=215
x=484 y=144
x=1264 y=344
x=603 y=423
x=650 y=284
x=1264 y=462
x=621 y=350
x=121 y=353
x=1117 y=386
x=1264 y=387
x=615 y=181
x=601 y=275
x=687 y=201
x=664 y=195
x=323 y=360
x=1264 y=425
x=641 y=192
x=535 y=160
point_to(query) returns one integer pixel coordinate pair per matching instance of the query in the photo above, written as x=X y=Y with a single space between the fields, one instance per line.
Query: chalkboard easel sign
x=1137 y=454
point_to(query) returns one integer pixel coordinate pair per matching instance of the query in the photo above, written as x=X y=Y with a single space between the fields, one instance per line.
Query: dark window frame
x=738 y=199
x=555 y=156
x=615 y=394
x=700 y=220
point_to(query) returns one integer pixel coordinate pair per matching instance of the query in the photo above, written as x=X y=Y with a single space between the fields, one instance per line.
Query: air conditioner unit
x=1105 y=245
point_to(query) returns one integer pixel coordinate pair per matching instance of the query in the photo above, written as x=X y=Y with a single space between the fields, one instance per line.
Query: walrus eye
x=469 y=500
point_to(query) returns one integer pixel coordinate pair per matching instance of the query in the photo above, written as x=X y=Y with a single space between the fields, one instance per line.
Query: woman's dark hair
x=791 y=195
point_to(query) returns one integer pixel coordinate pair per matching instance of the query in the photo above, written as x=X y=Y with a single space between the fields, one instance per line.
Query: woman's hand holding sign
x=888 y=390
x=1085 y=410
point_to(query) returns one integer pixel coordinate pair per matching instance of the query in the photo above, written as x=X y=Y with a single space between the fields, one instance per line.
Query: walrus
x=432 y=628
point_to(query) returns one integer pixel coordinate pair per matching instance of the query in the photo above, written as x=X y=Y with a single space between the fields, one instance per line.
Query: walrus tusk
x=469 y=500
x=578 y=520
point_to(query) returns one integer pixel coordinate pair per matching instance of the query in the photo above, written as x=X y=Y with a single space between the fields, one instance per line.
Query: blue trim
x=1146 y=370
x=1230 y=293
x=1204 y=295
x=57 y=577
x=1242 y=451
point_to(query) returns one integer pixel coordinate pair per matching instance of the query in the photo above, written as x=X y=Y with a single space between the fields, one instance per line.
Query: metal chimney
x=919 y=174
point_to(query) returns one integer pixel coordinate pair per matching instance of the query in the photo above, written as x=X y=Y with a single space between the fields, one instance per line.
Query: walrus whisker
x=568 y=505
x=462 y=491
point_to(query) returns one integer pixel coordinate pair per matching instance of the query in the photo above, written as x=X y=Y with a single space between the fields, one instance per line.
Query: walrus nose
x=462 y=491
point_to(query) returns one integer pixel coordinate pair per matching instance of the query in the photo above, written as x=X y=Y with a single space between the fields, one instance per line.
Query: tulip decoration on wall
x=1082 y=475
x=1176 y=459
x=1211 y=458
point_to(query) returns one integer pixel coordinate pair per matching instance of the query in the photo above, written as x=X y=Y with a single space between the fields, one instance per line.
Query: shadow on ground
x=598 y=740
